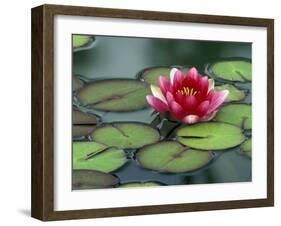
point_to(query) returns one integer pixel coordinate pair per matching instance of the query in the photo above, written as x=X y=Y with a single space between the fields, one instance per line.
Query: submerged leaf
x=233 y=70
x=234 y=93
x=115 y=95
x=126 y=135
x=89 y=179
x=95 y=156
x=210 y=136
x=236 y=114
x=172 y=157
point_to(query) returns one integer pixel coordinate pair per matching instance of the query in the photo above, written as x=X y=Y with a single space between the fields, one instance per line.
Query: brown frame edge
x=42 y=197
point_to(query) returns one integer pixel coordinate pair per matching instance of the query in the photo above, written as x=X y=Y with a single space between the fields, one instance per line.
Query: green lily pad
x=172 y=157
x=126 y=135
x=117 y=95
x=89 y=179
x=233 y=70
x=80 y=40
x=246 y=148
x=76 y=83
x=236 y=114
x=140 y=184
x=95 y=156
x=82 y=130
x=151 y=75
x=210 y=136
x=234 y=93
x=81 y=118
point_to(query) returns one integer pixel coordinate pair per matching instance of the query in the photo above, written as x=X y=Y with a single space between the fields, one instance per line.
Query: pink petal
x=156 y=103
x=164 y=84
x=217 y=100
x=180 y=98
x=192 y=74
x=209 y=117
x=176 y=110
x=202 y=109
x=190 y=119
x=204 y=84
x=178 y=80
x=190 y=103
x=170 y=98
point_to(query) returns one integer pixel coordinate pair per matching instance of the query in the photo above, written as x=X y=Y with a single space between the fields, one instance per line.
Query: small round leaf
x=90 y=179
x=80 y=40
x=234 y=93
x=95 y=156
x=236 y=114
x=232 y=70
x=126 y=135
x=117 y=95
x=210 y=136
x=172 y=157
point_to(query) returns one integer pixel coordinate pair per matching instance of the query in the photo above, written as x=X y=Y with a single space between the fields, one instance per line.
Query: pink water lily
x=187 y=98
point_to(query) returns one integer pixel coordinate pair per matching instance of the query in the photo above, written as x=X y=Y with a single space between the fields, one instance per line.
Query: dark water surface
x=116 y=57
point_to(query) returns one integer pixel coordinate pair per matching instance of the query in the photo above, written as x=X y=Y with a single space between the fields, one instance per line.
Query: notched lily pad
x=90 y=179
x=119 y=95
x=80 y=40
x=210 y=136
x=246 y=148
x=232 y=70
x=151 y=75
x=140 y=184
x=172 y=157
x=234 y=93
x=236 y=114
x=95 y=156
x=126 y=135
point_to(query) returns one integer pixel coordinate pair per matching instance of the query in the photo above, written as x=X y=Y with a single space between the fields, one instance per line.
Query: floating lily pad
x=140 y=184
x=115 y=95
x=234 y=93
x=80 y=40
x=151 y=75
x=236 y=114
x=95 y=156
x=210 y=136
x=76 y=83
x=81 y=118
x=89 y=179
x=126 y=135
x=246 y=148
x=233 y=70
x=172 y=157
x=82 y=130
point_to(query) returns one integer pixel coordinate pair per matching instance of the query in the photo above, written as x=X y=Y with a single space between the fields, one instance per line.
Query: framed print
x=141 y=112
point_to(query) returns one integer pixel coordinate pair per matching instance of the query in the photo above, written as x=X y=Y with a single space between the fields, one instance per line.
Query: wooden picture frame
x=43 y=112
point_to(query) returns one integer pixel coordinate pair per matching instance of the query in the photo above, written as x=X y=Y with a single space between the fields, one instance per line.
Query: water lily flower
x=189 y=98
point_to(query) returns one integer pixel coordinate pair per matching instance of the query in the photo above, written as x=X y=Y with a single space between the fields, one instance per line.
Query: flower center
x=186 y=91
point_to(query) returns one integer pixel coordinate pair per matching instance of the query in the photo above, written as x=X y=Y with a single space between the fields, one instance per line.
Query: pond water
x=123 y=57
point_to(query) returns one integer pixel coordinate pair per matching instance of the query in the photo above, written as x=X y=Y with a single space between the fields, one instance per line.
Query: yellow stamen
x=186 y=91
